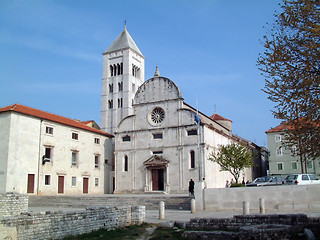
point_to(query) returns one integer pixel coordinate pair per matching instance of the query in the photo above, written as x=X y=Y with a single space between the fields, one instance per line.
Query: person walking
x=191 y=187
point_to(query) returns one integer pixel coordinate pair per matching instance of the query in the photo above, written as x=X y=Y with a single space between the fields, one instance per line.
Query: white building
x=46 y=154
x=158 y=146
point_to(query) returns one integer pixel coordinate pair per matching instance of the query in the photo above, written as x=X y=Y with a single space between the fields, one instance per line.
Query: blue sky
x=51 y=54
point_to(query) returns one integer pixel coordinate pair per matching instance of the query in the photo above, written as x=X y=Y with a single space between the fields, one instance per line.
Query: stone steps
x=150 y=201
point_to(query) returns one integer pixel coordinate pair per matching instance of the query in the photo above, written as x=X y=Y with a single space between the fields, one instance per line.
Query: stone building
x=46 y=154
x=158 y=146
x=282 y=160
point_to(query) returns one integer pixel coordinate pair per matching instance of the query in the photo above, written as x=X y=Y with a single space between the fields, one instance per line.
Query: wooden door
x=157 y=179
x=85 y=185
x=30 y=184
x=61 y=184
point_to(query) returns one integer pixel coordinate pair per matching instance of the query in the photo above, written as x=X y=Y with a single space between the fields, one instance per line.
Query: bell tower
x=123 y=74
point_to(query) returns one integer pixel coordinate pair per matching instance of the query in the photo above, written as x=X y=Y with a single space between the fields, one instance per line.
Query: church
x=161 y=142
x=150 y=140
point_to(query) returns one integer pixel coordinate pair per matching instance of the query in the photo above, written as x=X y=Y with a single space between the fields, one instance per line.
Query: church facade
x=158 y=144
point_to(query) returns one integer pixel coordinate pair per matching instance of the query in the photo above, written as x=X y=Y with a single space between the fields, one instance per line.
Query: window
x=156 y=116
x=120 y=86
x=116 y=69
x=75 y=136
x=192 y=159
x=135 y=70
x=279 y=151
x=192 y=132
x=97 y=140
x=294 y=165
x=157 y=152
x=96 y=161
x=47 y=179
x=120 y=102
x=49 y=130
x=96 y=182
x=280 y=166
x=73 y=181
x=310 y=165
x=157 y=136
x=278 y=138
x=126 y=138
x=305 y=178
x=125 y=168
x=47 y=155
x=74 y=158
x=111 y=88
x=110 y=102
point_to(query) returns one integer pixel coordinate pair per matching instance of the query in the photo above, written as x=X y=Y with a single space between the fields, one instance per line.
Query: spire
x=123 y=41
x=157 y=73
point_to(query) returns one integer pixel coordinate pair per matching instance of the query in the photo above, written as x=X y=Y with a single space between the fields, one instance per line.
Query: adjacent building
x=46 y=154
x=282 y=160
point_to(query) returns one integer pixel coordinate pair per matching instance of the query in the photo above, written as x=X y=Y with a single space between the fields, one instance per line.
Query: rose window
x=156 y=117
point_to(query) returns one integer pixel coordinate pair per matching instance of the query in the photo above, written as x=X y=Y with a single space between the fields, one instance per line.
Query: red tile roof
x=51 y=117
x=217 y=117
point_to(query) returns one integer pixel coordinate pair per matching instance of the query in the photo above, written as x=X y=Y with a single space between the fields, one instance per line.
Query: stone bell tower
x=123 y=74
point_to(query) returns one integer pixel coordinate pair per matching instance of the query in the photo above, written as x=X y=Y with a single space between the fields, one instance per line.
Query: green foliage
x=233 y=158
x=291 y=67
x=237 y=185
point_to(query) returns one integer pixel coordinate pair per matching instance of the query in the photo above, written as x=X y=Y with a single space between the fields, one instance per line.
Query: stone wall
x=57 y=225
x=13 y=203
x=283 y=197
x=283 y=226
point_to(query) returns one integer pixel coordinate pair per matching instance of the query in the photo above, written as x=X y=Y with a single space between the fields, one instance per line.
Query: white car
x=301 y=179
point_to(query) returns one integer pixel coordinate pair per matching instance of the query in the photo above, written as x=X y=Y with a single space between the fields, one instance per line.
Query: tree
x=233 y=158
x=291 y=67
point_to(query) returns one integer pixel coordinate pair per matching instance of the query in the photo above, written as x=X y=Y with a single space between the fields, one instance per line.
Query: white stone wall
x=4 y=149
x=27 y=141
x=175 y=144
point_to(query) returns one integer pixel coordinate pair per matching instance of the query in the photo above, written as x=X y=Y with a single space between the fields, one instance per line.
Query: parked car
x=301 y=179
x=266 y=181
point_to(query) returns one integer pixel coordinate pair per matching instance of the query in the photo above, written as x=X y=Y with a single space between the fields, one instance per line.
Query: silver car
x=301 y=179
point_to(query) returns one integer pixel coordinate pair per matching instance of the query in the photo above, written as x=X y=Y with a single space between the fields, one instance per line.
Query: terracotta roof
x=217 y=117
x=51 y=117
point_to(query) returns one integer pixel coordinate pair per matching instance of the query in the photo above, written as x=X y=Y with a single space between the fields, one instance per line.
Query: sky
x=51 y=54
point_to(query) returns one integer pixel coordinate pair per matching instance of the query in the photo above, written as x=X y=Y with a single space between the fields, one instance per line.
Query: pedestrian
x=227 y=184
x=191 y=187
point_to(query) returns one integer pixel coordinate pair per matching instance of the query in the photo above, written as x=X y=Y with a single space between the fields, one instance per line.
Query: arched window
x=121 y=68
x=125 y=165
x=110 y=104
x=111 y=70
x=111 y=88
x=114 y=70
x=192 y=160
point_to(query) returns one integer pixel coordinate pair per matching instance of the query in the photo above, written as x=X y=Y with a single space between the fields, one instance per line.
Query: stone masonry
x=273 y=226
x=13 y=203
x=59 y=224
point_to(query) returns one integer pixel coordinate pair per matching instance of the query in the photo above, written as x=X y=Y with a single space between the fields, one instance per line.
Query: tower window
x=120 y=102
x=135 y=70
x=111 y=70
x=110 y=104
x=120 y=86
x=111 y=88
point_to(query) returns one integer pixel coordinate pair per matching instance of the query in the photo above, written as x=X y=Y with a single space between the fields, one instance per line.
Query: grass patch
x=126 y=233
x=166 y=234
